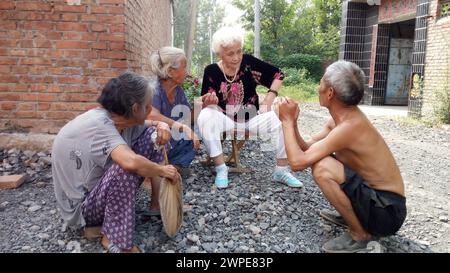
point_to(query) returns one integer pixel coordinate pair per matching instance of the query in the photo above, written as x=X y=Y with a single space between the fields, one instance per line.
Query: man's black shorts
x=381 y=213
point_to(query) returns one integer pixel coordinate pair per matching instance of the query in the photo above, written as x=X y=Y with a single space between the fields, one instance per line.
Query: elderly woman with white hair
x=230 y=102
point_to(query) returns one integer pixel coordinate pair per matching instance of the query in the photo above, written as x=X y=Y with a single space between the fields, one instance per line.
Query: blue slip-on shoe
x=221 y=183
x=221 y=180
x=286 y=178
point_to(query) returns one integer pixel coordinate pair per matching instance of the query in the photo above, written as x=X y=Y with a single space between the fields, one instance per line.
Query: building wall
x=148 y=27
x=437 y=68
x=55 y=57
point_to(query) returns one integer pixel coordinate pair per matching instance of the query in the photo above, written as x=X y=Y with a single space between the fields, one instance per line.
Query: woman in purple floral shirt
x=230 y=102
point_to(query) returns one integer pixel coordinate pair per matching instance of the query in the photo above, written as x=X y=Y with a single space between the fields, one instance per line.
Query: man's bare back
x=367 y=153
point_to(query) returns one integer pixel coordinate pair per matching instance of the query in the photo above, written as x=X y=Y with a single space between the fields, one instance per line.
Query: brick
x=18 y=52
x=114 y=55
x=8 y=105
x=70 y=17
x=72 y=36
x=9 y=79
x=111 y=2
x=27 y=44
x=88 y=18
x=26 y=106
x=38 y=25
x=69 y=26
x=36 y=61
x=39 y=43
x=72 y=80
x=9 y=25
x=98 y=27
x=99 y=45
x=112 y=37
x=72 y=63
x=89 y=36
x=20 y=69
x=11 y=181
x=9 y=97
x=33 y=6
x=99 y=9
x=5 y=69
x=72 y=44
x=8 y=43
x=119 y=64
x=111 y=19
x=53 y=35
x=7 y=5
x=117 y=28
x=26 y=114
x=67 y=8
x=43 y=106
x=61 y=115
x=21 y=88
x=101 y=63
x=47 y=97
x=117 y=46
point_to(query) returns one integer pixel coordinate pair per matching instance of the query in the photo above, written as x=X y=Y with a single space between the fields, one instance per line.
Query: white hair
x=225 y=37
x=347 y=79
x=164 y=59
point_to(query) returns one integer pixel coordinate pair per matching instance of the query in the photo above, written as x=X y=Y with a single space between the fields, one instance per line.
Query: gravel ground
x=254 y=214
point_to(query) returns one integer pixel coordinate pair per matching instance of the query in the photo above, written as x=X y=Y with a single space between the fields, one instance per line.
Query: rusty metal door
x=399 y=71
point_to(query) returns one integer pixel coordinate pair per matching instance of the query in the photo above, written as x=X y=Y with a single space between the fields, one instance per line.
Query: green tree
x=295 y=26
x=209 y=19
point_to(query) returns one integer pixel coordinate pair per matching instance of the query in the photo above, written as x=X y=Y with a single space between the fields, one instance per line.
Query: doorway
x=400 y=59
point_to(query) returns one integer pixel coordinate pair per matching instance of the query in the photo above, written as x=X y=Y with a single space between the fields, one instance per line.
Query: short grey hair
x=347 y=79
x=225 y=37
x=164 y=59
x=121 y=93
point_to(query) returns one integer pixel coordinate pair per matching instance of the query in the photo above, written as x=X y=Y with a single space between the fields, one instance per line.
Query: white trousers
x=212 y=123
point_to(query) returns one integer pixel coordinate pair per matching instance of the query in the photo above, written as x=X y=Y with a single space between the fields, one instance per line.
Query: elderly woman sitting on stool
x=100 y=158
x=230 y=102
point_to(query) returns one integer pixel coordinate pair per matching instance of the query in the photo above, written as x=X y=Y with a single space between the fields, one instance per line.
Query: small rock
x=264 y=225
x=61 y=243
x=35 y=228
x=443 y=218
x=43 y=236
x=26 y=248
x=27 y=203
x=74 y=247
x=227 y=220
x=34 y=208
x=193 y=249
x=170 y=251
x=193 y=238
x=255 y=230
x=201 y=221
x=41 y=184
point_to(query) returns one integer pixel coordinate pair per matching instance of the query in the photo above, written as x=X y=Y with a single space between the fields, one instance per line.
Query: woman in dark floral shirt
x=230 y=102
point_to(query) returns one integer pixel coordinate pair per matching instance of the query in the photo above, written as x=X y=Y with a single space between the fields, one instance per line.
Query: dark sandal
x=333 y=217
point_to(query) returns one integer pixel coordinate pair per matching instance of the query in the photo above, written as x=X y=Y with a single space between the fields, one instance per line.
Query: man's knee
x=322 y=170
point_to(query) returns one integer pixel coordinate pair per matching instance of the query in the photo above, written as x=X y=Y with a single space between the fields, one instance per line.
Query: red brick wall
x=148 y=27
x=55 y=57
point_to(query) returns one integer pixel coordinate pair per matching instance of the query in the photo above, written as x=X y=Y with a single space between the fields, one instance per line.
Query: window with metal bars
x=444 y=8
